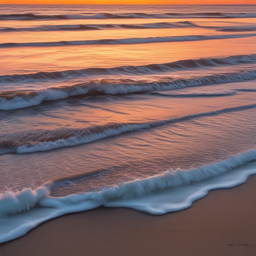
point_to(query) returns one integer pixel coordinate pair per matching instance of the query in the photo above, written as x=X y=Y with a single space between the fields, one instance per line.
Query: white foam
x=28 y=101
x=105 y=87
x=11 y=202
x=167 y=192
x=90 y=135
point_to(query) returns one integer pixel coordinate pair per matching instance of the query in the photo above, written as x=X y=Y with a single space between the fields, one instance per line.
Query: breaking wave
x=35 y=141
x=11 y=202
x=126 y=41
x=22 y=99
x=153 y=194
x=147 y=69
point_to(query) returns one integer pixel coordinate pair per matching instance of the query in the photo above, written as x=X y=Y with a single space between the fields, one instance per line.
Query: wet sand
x=223 y=223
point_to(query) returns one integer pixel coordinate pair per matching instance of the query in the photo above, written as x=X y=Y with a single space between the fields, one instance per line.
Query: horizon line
x=132 y=4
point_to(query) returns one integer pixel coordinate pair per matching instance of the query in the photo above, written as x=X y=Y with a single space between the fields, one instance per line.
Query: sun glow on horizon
x=129 y=2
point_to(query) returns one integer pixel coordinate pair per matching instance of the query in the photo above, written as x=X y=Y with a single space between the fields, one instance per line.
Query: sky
x=128 y=2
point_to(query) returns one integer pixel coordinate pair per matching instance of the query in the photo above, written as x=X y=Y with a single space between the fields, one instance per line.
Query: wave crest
x=138 y=194
x=126 y=41
x=26 y=199
x=147 y=69
x=11 y=202
x=37 y=141
x=83 y=27
x=32 y=16
x=23 y=99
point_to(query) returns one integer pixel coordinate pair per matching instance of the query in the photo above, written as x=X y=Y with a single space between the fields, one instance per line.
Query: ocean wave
x=156 y=195
x=15 y=202
x=32 y=16
x=26 y=199
x=49 y=140
x=36 y=141
x=247 y=90
x=83 y=27
x=237 y=29
x=126 y=41
x=22 y=99
x=168 y=179
x=197 y=94
x=147 y=69
x=158 y=25
x=21 y=201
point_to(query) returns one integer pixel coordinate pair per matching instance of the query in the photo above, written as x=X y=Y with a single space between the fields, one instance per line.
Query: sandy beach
x=222 y=223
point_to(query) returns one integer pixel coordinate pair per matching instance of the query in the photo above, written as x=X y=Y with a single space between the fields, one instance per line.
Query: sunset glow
x=128 y=2
x=135 y=105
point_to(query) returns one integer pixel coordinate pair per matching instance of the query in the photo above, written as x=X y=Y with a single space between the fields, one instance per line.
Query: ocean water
x=147 y=107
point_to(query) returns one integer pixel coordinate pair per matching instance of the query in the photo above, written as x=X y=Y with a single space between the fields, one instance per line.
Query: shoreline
x=222 y=223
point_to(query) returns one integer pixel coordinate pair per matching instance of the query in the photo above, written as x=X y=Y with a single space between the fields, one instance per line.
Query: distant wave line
x=196 y=95
x=126 y=41
x=146 y=69
x=158 y=25
x=84 y=27
x=32 y=16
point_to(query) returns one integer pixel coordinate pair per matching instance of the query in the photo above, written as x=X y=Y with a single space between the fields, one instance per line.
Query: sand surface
x=223 y=223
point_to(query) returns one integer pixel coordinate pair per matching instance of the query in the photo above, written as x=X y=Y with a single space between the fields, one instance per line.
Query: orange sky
x=127 y=1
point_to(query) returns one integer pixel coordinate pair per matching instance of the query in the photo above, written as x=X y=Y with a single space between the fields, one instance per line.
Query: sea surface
x=147 y=107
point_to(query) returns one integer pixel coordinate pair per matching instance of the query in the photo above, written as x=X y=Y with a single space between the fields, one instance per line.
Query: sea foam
x=105 y=87
x=167 y=192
